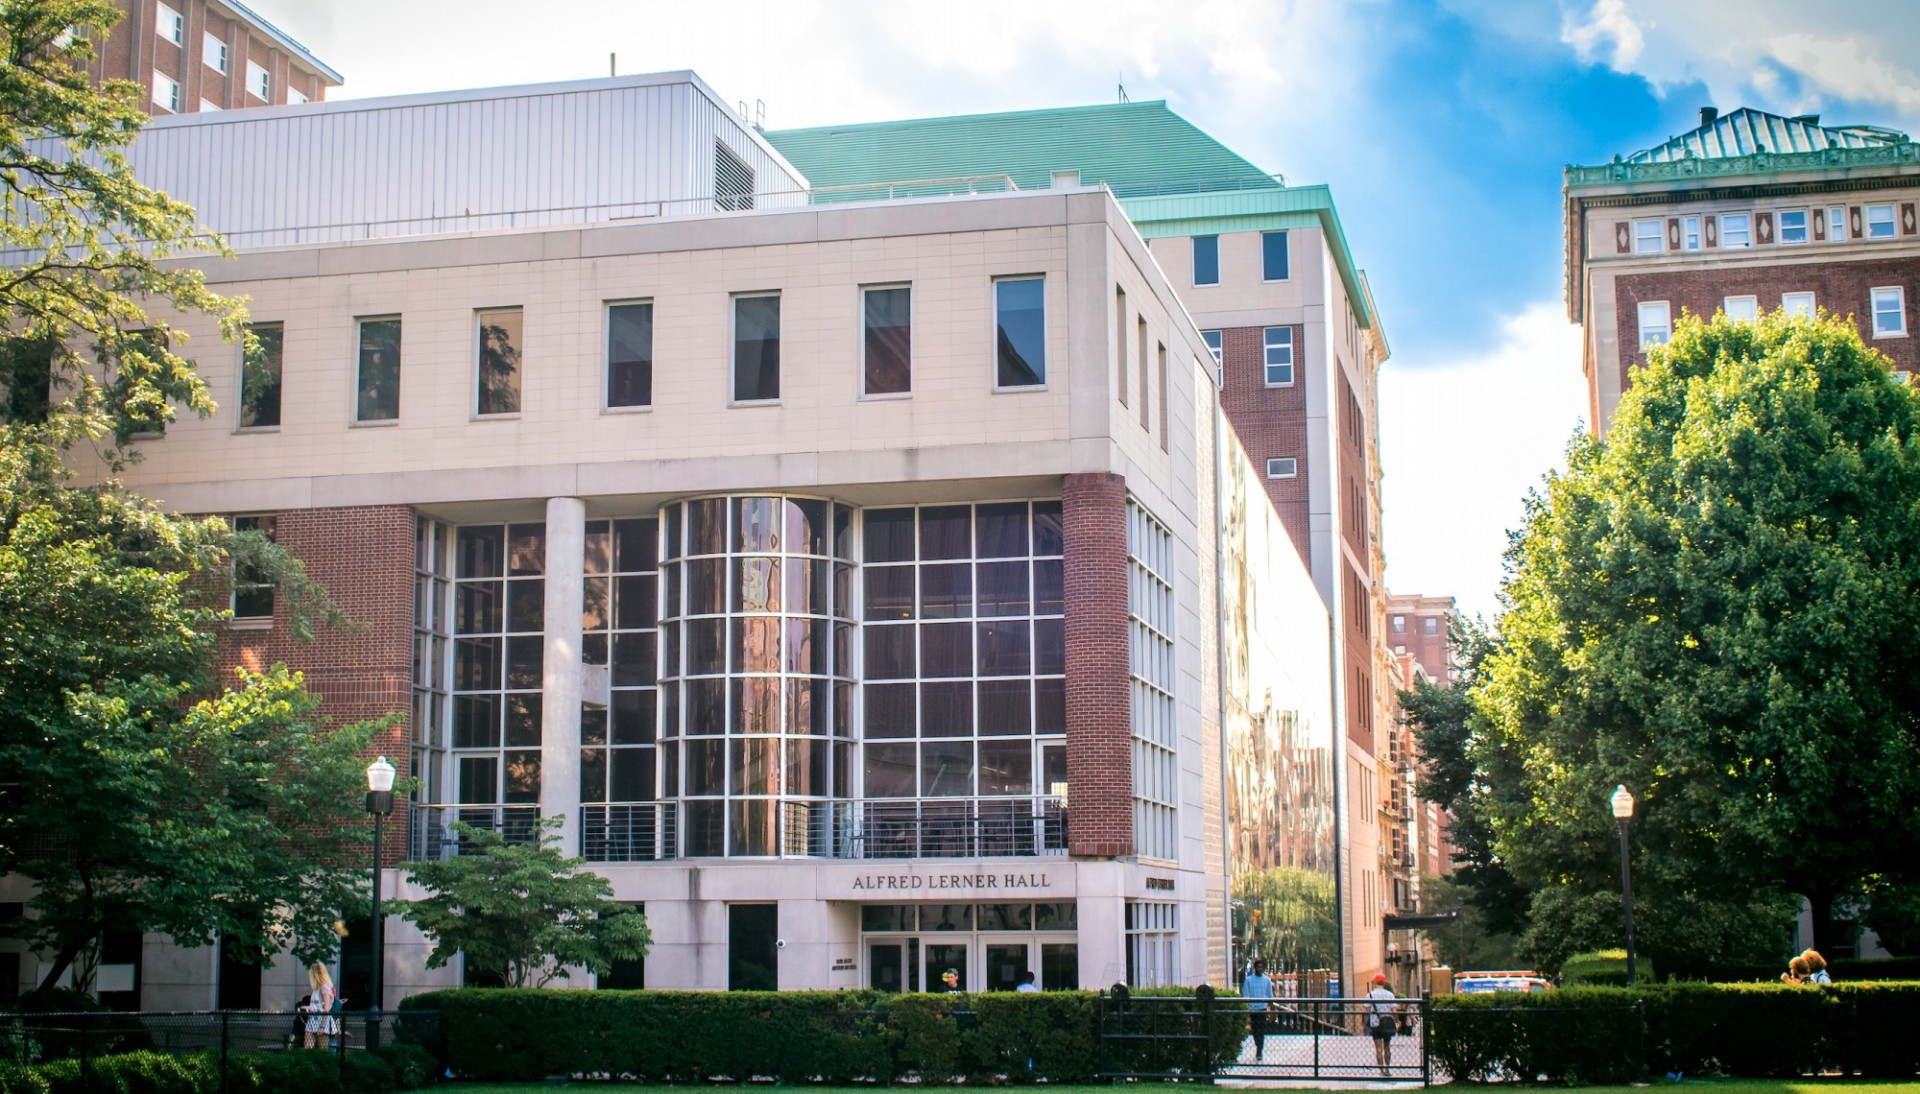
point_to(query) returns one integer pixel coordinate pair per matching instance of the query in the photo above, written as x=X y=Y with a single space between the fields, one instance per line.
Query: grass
x=1701 y=1086
x=1692 y=1085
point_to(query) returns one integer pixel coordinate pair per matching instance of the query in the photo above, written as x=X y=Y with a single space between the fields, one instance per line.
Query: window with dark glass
x=630 y=354
x=378 y=384
x=499 y=367
x=252 y=592
x=756 y=348
x=26 y=374
x=888 y=344
x=499 y=655
x=260 y=376
x=619 y=621
x=1206 y=260
x=1020 y=338
x=1273 y=256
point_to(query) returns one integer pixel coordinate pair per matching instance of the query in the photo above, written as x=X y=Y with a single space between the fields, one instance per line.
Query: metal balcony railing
x=431 y=834
x=956 y=828
x=636 y=832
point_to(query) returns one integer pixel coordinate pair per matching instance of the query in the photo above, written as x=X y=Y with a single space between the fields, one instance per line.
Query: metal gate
x=1208 y=1037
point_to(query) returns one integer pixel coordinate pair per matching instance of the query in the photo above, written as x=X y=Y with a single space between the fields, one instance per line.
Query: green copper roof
x=1171 y=178
x=1134 y=148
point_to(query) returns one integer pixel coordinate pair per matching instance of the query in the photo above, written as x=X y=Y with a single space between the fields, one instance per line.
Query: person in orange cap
x=1383 y=1024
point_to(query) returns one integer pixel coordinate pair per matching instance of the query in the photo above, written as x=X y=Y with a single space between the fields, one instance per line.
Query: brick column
x=1099 y=722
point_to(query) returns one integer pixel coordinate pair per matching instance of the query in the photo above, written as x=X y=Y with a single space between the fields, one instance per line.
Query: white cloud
x=1608 y=26
x=1461 y=443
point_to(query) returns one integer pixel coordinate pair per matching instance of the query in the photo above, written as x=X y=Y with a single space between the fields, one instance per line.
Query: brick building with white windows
x=875 y=577
x=1748 y=212
x=190 y=56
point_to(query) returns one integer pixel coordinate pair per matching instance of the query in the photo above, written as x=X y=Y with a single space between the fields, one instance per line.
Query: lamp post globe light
x=380 y=804
x=1623 y=812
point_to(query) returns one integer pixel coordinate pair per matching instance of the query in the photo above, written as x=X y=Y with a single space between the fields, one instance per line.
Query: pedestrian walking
x=1257 y=989
x=1384 y=1023
x=321 y=1023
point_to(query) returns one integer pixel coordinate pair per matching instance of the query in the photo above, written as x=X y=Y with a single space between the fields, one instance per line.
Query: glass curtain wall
x=619 y=620
x=756 y=672
x=499 y=650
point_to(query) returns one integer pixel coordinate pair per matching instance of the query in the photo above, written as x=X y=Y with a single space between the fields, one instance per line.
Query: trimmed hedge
x=399 y=1067
x=1601 y=1035
x=1604 y=967
x=506 y=1035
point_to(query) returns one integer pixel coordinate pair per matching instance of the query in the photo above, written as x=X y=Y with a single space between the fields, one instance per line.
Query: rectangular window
x=1277 y=343
x=1399 y=624
x=1153 y=944
x=1736 y=230
x=1879 y=222
x=1690 y=233
x=207 y=107
x=166 y=93
x=259 y=84
x=260 y=377
x=497 y=383
x=1793 y=226
x=1837 y=223
x=171 y=26
x=295 y=96
x=1206 y=260
x=1143 y=372
x=1151 y=614
x=630 y=354
x=1216 y=347
x=213 y=53
x=1797 y=303
x=1120 y=342
x=1020 y=341
x=1430 y=625
x=1743 y=308
x=1656 y=323
x=1282 y=467
x=1647 y=237
x=888 y=342
x=377 y=386
x=756 y=348
x=1889 y=312
x=252 y=593
x=1273 y=256
x=1166 y=414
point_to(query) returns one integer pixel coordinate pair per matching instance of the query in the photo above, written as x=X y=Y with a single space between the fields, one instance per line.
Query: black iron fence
x=226 y=1039
x=1207 y=1037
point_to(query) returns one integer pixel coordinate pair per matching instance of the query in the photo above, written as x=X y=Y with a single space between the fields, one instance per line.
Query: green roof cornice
x=1729 y=168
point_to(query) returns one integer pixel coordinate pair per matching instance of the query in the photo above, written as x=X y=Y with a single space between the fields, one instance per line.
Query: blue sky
x=1442 y=127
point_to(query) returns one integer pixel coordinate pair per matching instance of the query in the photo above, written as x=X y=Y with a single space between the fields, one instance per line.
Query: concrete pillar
x=560 y=679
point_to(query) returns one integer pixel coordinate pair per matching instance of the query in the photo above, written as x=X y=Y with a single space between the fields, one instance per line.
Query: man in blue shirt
x=1257 y=989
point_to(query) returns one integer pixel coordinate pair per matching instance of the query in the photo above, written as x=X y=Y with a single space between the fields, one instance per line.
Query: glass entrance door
x=887 y=966
x=942 y=956
x=1005 y=963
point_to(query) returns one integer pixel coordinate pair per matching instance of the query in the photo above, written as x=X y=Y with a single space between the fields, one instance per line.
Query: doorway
x=753 y=947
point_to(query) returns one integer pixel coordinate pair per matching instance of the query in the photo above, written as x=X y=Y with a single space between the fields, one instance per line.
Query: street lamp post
x=380 y=804
x=1623 y=812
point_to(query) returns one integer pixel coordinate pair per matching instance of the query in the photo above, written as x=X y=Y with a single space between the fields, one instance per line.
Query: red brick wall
x=1099 y=705
x=1357 y=607
x=1270 y=421
x=1839 y=287
x=364 y=558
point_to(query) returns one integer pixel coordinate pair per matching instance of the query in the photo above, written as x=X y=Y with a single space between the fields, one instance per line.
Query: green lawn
x=1697 y=1086
x=1690 y=1085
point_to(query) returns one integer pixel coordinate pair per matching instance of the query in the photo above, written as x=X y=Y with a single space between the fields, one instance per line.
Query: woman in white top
x=321 y=1024
x=1383 y=1025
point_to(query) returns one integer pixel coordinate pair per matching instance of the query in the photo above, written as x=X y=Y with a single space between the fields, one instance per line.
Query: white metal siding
x=517 y=158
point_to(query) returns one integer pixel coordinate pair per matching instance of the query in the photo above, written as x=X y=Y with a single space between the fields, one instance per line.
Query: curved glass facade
x=756 y=640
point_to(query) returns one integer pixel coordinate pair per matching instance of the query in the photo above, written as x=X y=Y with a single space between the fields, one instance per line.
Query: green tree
x=134 y=791
x=1716 y=606
x=1469 y=942
x=522 y=909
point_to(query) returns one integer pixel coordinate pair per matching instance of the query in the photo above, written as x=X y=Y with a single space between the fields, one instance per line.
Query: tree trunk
x=61 y=962
x=1821 y=899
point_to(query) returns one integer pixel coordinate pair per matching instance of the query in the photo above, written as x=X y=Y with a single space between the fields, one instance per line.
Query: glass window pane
x=758 y=582
x=705 y=828
x=887 y=917
x=1049 y=587
x=946 y=649
x=756 y=705
x=946 y=917
x=946 y=531
x=526 y=605
x=1006 y=917
x=636 y=545
x=756 y=765
x=480 y=779
x=1050 y=708
x=756 y=644
x=522 y=783
x=379 y=381
x=523 y=721
x=889 y=341
x=1060 y=966
x=707 y=706
x=594 y=594
x=633 y=716
x=1005 y=707
x=757 y=524
x=947 y=709
x=630 y=355
x=1021 y=335
x=1273 y=256
x=593 y=775
x=477 y=607
x=526 y=550
x=807 y=646
x=634 y=664
x=706 y=765
x=706 y=646
x=889 y=592
x=807 y=706
x=889 y=535
x=806 y=527
x=706 y=586
x=476 y=721
x=634 y=605
x=1006 y=767
x=476 y=664
x=707 y=527
x=1003 y=588
x=806 y=585
x=890 y=652
x=946 y=769
x=807 y=768
x=1001 y=530
x=889 y=771
x=1003 y=649
x=890 y=710
x=632 y=779
x=526 y=656
x=1047 y=536
x=481 y=551
x=498 y=389
x=1062 y=916
x=946 y=591
x=1206 y=260
x=596 y=551
x=260 y=377
x=756 y=348
x=1049 y=647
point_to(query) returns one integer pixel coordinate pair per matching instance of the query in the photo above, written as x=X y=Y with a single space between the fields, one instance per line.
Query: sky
x=1441 y=126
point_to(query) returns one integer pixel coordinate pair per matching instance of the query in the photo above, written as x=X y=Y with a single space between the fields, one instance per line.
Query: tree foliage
x=1716 y=606
x=521 y=909
x=135 y=791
